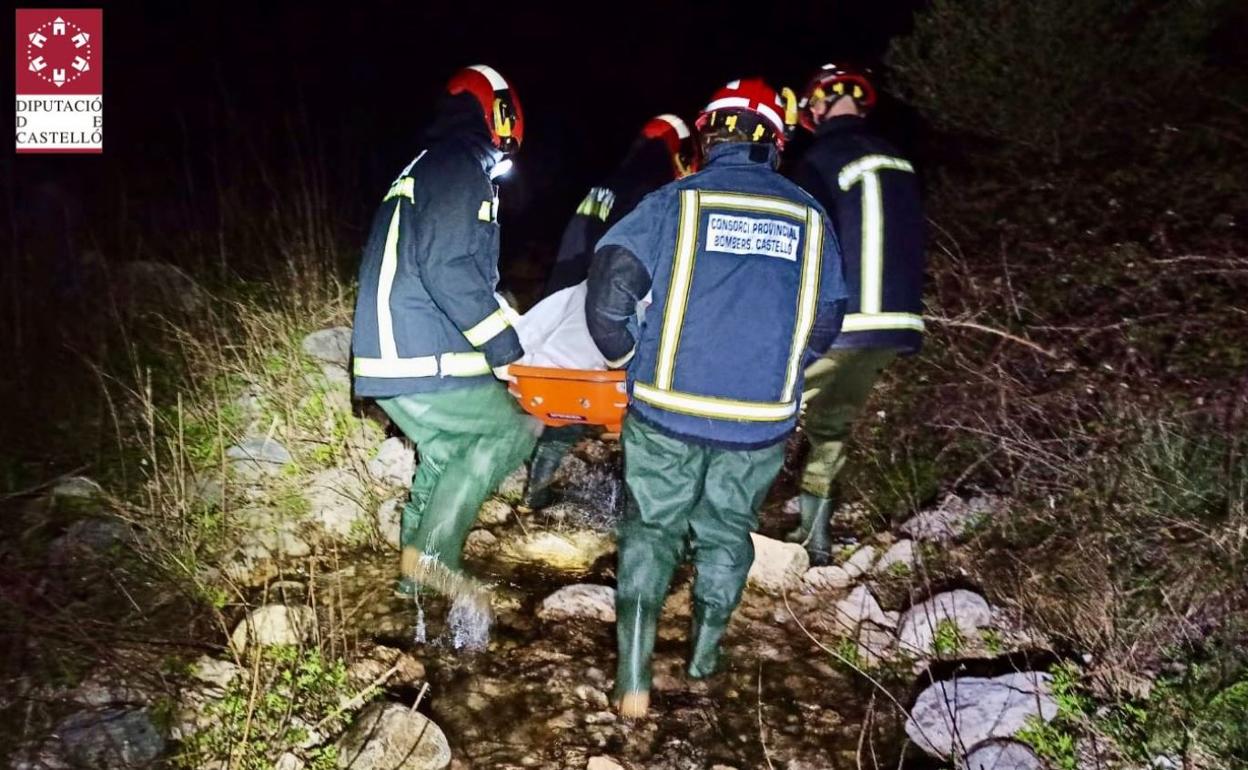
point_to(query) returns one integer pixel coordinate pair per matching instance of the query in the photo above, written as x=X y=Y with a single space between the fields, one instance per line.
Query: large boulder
x=921 y=626
x=140 y=287
x=337 y=497
x=390 y=736
x=951 y=716
x=778 y=566
x=394 y=464
x=274 y=624
x=76 y=489
x=590 y=602
x=819 y=580
x=90 y=538
x=332 y=345
x=861 y=607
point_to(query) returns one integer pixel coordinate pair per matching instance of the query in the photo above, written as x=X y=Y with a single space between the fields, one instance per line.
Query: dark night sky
x=190 y=85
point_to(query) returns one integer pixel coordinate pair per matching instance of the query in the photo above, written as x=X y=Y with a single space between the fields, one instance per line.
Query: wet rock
x=107 y=738
x=336 y=497
x=91 y=538
x=214 y=673
x=573 y=552
x=778 y=567
x=952 y=715
x=591 y=696
x=493 y=513
x=603 y=763
x=274 y=624
x=899 y=558
x=1003 y=755
x=390 y=736
x=512 y=488
x=332 y=345
x=258 y=456
x=860 y=561
x=861 y=607
x=588 y=602
x=952 y=520
x=819 y=580
x=389 y=521
x=480 y=543
x=376 y=662
x=394 y=464
x=920 y=625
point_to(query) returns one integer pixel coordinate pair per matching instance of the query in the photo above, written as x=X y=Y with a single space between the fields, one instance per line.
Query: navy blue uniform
x=872 y=195
x=427 y=317
x=745 y=277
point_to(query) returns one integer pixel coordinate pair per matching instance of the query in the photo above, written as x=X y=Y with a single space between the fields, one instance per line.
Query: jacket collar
x=458 y=118
x=841 y=124
x=742 y=154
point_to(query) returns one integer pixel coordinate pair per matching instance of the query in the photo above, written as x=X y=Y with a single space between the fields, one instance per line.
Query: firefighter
x=872 y=196
x=432 y=338
x=745 y=279
x=665 y=150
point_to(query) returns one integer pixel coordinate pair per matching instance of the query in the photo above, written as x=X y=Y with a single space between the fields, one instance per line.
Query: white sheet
x=554 y=333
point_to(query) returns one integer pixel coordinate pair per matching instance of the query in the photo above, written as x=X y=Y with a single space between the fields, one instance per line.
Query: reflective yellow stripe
x=448 y=364
x=807 y=299
x=463 y=365
x=385 y=282
x=869 y=164
x=678 y=289
x=405 y=187
x=719 y=408
x=493 y=325
x=424 y=366
x=862 y=322
x=866 y=170
x=763 y=204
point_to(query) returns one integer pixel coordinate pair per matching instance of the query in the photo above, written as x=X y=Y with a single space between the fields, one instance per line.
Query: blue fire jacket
x=427 y=317
x=745 y=279
x=873 y=197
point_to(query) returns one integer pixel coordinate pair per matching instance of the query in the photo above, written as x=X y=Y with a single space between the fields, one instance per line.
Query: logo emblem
x=60 y=83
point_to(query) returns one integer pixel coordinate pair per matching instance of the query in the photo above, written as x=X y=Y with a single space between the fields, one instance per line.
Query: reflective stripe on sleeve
x=622 y=360
x=863 y=322
x=494 y=324
x=448 y=365
x=718 y=408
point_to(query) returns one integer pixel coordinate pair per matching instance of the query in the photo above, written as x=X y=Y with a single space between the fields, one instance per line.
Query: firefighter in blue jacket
x=872 y=196
x=744 y=277
x=665 y=150
x=431 y=335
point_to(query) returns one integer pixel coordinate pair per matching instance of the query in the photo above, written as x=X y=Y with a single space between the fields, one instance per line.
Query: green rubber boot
x=813 y=532
x=542 y=469
x=636 y=626
x=708 y=631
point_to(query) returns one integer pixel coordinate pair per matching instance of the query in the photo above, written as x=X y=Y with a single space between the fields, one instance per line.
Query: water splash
x=468 y=624
x=420 y=634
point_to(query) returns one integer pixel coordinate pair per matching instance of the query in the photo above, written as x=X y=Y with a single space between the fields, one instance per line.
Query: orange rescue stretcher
x=571 y=396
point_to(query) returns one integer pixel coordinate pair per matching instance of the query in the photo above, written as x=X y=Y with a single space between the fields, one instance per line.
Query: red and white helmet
x=756 y=106
x=499 y=103
x=679 y=139
x=833 y=81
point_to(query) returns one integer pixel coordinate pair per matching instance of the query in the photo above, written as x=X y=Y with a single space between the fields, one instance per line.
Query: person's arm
x=455 y=228
x=619 y=278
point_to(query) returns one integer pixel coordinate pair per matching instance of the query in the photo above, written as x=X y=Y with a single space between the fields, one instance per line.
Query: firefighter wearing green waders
x=744 y=277
x=431 y=337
